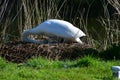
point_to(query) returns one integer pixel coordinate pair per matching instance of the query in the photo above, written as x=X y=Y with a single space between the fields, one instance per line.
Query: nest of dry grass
x=20 y=51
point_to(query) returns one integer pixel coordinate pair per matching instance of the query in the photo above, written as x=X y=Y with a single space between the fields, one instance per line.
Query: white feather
x=55 y=27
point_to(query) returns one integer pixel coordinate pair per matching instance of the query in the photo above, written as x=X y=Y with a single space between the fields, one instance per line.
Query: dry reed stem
x=115 y=4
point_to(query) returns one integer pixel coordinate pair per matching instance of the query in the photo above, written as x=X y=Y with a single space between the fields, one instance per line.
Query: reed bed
x=17 y=16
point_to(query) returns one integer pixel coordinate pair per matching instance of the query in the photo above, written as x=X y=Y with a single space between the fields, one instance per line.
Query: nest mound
x=20 y=51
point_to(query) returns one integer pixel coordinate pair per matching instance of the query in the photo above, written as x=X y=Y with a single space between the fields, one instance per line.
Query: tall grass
x=8 y=20
x=111 y=25
x=17 y=16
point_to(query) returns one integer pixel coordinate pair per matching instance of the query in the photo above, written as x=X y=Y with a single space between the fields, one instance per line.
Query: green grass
x=86 y=68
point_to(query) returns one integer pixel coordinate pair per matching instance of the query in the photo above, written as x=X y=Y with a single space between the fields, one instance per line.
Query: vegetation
x=87 y=68
x=27 y=14
x=103 y=34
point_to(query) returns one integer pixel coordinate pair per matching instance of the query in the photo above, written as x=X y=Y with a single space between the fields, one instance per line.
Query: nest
x=20 y=51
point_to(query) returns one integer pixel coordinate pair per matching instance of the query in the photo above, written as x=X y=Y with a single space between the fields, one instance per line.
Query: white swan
x=55 y=27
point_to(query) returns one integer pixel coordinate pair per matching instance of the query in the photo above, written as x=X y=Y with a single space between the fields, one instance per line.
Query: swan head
x=84 y=39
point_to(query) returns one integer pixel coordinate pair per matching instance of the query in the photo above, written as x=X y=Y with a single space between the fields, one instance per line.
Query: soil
x=19 y=51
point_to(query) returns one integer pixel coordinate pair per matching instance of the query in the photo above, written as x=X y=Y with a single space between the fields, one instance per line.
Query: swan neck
x=25 y=37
